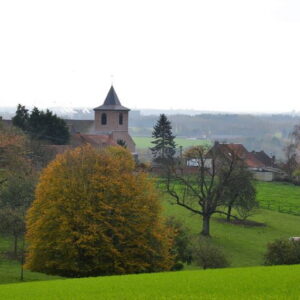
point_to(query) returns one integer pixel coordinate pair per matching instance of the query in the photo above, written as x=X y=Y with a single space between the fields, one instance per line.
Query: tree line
x=41 y=125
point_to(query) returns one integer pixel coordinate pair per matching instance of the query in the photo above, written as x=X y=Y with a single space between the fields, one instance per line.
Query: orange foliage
x=14 y=152
x=94 y=215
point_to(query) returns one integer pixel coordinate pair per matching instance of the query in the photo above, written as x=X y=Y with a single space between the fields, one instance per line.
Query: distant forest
x=257 y=132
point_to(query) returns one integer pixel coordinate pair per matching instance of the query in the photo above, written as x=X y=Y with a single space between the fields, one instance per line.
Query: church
x=109 y=127
x=111 y=119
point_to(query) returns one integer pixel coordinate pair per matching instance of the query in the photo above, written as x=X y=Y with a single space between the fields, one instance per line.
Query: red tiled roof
x=238 y=149
x=79 y=139
x=250 y=160
x=264 y=158
x=98 y=139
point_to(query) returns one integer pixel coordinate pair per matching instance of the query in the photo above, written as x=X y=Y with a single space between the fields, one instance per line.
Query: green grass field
x=246 y=283
x=10 y=269
x=145 y=142
x=10 y=272
x=279 y=196
x=243 y=245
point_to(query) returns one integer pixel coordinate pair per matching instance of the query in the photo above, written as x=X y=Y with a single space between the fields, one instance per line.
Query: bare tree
x=291 y=163
x=292 y=153
x=203 y=191
x=15 y=198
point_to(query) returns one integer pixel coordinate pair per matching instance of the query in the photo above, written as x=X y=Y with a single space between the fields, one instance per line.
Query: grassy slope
x=244 y=246
x=247 y=283
x=10 y=269
x=145 y=142
x=279 y=196
x=10 y=272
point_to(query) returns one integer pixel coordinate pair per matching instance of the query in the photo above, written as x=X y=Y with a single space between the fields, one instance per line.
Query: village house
x=260 y=164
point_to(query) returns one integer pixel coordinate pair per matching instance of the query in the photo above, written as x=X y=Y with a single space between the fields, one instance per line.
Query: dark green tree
x=164 y=147
x=240 y=192
x=207 y=255
x=182 y=241
x=43 y=126
x=283 y=252
x=21 y=118
x=122 y=143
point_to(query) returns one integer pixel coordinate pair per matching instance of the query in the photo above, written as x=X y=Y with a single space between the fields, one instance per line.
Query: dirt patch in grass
x=239 y=222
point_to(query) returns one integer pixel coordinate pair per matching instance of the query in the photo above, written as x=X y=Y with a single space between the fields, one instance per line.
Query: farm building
x=262 y=166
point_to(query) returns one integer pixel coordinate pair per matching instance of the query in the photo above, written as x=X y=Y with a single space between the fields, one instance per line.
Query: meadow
x=145 y=142
x=246 y=245
x=280 y=282
x=10 y=269
x=243 y=245
x=279 y=196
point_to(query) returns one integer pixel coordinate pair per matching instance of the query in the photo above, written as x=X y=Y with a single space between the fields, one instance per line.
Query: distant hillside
x=257 y=132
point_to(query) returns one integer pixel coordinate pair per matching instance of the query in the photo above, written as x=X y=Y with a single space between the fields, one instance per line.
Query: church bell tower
x=111 y=118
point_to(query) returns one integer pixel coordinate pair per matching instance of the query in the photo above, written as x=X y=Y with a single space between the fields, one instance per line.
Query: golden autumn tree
x=94 y=215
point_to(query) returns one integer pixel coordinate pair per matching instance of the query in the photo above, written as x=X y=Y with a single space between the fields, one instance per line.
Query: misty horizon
x=213 y=56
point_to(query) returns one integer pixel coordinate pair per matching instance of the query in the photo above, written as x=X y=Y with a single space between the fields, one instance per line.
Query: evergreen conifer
x=164 y=145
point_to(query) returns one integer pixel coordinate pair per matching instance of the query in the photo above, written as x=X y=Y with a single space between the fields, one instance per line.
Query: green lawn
x=279 y=196
x=246 y=283
x=10 y=269
x=244 y=246
x=145 y=142
x=10 y=272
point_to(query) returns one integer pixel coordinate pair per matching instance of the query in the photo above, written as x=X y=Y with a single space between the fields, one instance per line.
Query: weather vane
x=112 y=79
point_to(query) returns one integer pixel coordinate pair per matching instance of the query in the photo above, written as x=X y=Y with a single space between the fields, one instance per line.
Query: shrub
x=177 y=267
x=207 y=255
x=182 y=241
x=283 y=252
x=94 y=215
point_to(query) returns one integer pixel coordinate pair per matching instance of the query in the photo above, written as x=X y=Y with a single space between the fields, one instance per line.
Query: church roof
x=112 y=102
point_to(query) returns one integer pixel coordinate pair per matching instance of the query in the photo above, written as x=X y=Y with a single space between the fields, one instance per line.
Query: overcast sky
x=218 y=55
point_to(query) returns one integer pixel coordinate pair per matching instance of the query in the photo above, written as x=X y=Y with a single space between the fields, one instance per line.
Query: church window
x=121 y=119
x=103 y=119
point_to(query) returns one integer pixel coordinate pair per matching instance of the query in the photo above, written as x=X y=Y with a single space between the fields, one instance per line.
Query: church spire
x=111 y=102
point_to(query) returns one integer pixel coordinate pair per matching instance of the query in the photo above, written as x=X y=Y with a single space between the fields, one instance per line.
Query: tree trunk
x=22 y=260
x=229 y=213
x=205 y=226
x=15 y=245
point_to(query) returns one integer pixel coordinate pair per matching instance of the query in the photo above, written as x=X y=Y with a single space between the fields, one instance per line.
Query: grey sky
x=231 y=55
